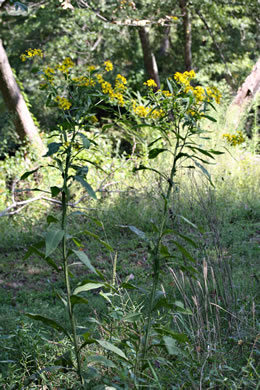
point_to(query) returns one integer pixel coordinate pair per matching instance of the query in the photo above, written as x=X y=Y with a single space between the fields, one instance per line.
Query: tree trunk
x=245 y=94
x=149 y=58
x=187 y=34
x=15 y=103
x=250 y=87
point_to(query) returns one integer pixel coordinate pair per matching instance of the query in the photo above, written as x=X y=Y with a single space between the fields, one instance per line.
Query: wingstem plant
x=174 y=115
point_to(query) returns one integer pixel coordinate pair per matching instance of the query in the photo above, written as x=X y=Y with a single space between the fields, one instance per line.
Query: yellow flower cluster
x=156 y=114
x=63 y=103
x=120 y=84
x=184 y=78
x=150 y=83
x=214 y=94
x=116 y=93
x=91 y=68
x=49 y=74
x=84 y=81
x=108 y=66
x=166 y=93
x=66 y=64
x=141 y=110
x=235 y=139
x=31 y=53
x=200 y=93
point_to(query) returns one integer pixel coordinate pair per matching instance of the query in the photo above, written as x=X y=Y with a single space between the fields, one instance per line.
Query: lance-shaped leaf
x=138 y=232
x=109 y=247
x=181 y=337
x=77 y=300
x=85 y=141
x=53 y=148
x=48 y=260
x=87 y=287
x=111 y=347
x=50 y=322
x=204 y=170
x=99 y=359
x=52 y=240
x=184 y=251
x=85 y=260
x=142 y=168
x=26 y=174
x=170 y=345
x=86 y=185
x=55 y=191
x=154 y=152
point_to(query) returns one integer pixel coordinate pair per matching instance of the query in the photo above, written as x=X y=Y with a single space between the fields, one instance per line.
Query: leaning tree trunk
x=149 y=58
x=245 y=94
x=15 y=103
x=187 y=34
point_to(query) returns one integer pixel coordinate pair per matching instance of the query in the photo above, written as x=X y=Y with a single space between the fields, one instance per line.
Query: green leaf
x=51 y=219
x=110 y=347
x=52 y=240
x=109 y=247
x=85 y=260
x=184 y=251
x=153 y=142
x=181 y=337
x=164 y=251
x=209 y=117
x=103 y=361
x=181 y=308
x=142 y=168
x=170 y=345
x=26 y=174
x=85 y=141
x=137 y=232
x=48 y=260
x=204 y=170
x=86 y=185
x=53 y=148
x=132 y=317
x=55 y=191
x=87 y=287
x=186 y=238
x=76 y=300
x=48 y=321
x=154 y=152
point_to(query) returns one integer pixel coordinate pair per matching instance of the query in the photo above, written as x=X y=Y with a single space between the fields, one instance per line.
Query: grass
x=223 y=330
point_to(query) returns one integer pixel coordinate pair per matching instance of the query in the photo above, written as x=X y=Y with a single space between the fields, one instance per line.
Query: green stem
x=156 y=256
x=66 y=268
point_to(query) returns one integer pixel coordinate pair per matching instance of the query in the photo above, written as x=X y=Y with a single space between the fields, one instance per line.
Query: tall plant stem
x=156 y=254
x=66 y=270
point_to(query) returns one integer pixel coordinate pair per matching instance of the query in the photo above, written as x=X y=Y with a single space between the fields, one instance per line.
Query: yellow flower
x=106 y=87
x=23 y=57
x=66 y=64
x=63 y=103
x=166 y=93
x=99 y=78
x=156 y=114
x=49 y=74
x=199 y=93
x=90 y=68
x=83 y=81
x=234 y=139
x=121 y=78
x=141 y=111
x=151 y=83
x=31 y=53
x=108 y=66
